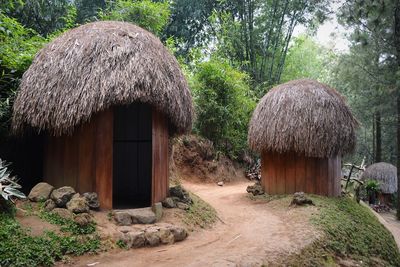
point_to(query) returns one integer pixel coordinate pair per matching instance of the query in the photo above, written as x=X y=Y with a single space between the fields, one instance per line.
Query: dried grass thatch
x=305 y=117
x=95 y=66
x=385 y=174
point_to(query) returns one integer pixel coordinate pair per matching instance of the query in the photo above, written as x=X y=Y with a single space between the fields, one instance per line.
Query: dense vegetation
x=233 y=52
x=351 y=232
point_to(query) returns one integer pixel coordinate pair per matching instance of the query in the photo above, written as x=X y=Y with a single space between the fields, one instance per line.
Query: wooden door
x=132 y=157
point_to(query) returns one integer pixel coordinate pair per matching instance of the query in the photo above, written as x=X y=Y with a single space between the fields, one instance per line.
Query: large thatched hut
x=386 y=175
x=302 y=128
x=107 y=95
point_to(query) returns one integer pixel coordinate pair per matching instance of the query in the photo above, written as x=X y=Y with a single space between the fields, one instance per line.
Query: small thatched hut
x=301 y=128
x=107 y=95
x=386 y=175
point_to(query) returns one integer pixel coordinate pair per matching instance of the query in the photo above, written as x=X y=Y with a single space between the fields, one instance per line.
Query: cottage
x=107 y=96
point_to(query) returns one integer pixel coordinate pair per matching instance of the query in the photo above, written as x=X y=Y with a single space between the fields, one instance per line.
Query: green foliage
x=18 y=248
x=372 y=186
x=351 y=231
x=122 y=244
x=67 y=225
x=224 y=103
x=152 y=16
x=200 y=213
x=9 y=188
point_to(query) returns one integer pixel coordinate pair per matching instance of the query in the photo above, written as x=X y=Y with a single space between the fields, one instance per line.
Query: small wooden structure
x=107 y=106
x=386 y=175
x=301 y=128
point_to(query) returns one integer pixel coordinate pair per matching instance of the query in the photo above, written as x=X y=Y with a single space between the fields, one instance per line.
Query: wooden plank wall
x=288 y=173
x=83 y=160
x=160 y=178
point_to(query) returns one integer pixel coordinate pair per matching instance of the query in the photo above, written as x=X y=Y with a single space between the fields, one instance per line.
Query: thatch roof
x=385 y=174
x=95 y=66
x=305 y=117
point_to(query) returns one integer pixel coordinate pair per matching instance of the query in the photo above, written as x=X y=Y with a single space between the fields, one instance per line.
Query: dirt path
x=392 y=224
x=250 y=233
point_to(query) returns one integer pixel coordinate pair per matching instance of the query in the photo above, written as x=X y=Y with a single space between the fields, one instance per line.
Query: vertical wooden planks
x=310 y=175
x=280 y=172
x=300 y=173
x=71 y=160
x=290 y=173
x=160 y=180
x=104 y=158
x=87 y=157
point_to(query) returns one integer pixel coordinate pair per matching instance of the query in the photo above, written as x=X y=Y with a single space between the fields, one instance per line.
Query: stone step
x=134 y=216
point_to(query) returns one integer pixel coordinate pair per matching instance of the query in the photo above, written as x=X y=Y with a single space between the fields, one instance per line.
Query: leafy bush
x=150 y=15
x=18 y=248
x=9 y=188
x=224 y=103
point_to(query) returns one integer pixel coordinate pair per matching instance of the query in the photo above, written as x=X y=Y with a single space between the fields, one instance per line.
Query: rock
x=92 y=200
x=168 y=203
x=124 y=229
x=157 y=209
x=62 y=195
x=166 y=237
x=40 y=192
x=221 y=183
x=178 y=233
x=142 y=216
x=152 y=237
x=78 y=204
x=136 y=239
x=300 y=199
x=122 y=218
x=255 y=189
x=182 y=206
x=63 y=213
x=83 y=219
x=180 y=193
x=49 y=205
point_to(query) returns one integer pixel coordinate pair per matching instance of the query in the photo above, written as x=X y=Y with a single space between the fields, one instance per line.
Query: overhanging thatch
x=305 y=117
x=95 y=66
x=385 y=174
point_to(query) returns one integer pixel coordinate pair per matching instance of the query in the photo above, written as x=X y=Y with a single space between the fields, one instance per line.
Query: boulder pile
x=179 y=198
x=255 y=189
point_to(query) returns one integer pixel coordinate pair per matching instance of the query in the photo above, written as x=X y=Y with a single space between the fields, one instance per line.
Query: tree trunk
x=378 y=135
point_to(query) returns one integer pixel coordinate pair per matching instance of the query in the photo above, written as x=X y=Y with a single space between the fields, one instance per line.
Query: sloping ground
x=194 y=158
x=249 y=233
x=389 y=220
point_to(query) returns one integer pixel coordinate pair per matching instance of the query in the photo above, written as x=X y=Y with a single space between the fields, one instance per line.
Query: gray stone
x=92 y=199
x=124 y=229
x=166 y=237
x=62 y=195
x=180 y=193
x=182 y=206
x=152 y=238
x=49 y=205
x=157 y=209
x=300 y=199
x=83 y=219
x=136 y=239
x=255 y=189
x=78 y=204
x=122 y=218
x=178 y=233
x=169 y=203
x=221 y=183
x=63 y=213
x=40 y=192
x=142 y=216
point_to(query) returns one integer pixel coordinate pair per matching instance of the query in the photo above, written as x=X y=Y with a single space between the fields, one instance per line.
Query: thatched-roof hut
x=108 y=95
x=386 y=175
x=302 y=128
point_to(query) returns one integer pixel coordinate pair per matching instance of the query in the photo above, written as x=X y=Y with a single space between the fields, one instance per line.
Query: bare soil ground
x=249 y=233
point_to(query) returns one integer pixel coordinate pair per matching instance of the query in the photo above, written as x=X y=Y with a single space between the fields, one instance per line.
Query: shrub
x=224 y=103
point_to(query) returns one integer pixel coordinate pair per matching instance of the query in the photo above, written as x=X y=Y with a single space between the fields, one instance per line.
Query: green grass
x=19 y=248
x=351 y=232
x=200 y=213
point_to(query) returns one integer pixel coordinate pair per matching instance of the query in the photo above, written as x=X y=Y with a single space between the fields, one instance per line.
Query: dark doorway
x=132 y=153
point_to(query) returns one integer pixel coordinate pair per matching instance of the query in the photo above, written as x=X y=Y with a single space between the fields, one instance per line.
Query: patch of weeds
x=200 y=213
x=110 y=215
x=351 y=232
x=122 y=244
x=265 y=197
x=28 y=208
x=18 y=248
x=67 y=225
